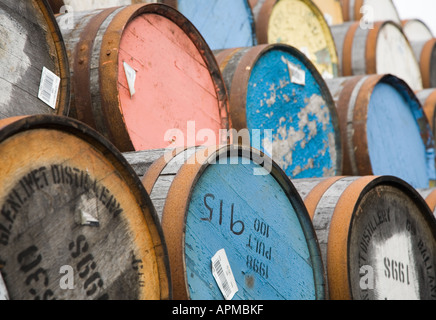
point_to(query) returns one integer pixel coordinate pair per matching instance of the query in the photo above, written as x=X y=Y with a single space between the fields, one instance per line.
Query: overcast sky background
x=420 y=9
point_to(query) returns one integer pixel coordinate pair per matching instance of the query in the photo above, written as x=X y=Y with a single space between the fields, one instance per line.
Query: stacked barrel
x=216 y=149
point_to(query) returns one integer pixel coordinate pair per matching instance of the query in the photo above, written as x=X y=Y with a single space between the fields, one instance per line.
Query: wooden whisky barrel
x=404 y=148
x=382 y=49
x=373 y=10
x=60 y=6
x=223 y=23
x=377 y=237
x=139 y=72
x=301 y=24
x=425 y=53
x=416 y=30
x=236 y=199
x=277 y=91
x=332 y=10
x=427 y=97
x=76 y=222
x=34 y=71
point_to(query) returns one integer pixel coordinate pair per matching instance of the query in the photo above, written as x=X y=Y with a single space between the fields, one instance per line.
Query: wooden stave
x=174 y=4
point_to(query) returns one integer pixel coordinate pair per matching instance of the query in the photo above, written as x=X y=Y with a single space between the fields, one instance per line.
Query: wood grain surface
x=176 y=79
x=377 y=237
x=30 y=41
x=69 y=200
x=212 y=199
x=276 y=93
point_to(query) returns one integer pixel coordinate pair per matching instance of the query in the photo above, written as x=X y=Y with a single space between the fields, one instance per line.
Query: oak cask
x=404 y=148
x=141 y=71
x=235 y=199
x=377 y=237
x=279 y=96
x=76 y=222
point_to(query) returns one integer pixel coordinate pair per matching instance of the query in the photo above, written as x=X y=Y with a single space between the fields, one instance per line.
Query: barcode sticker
x=49 y=87
x=131 y=78
x=3 y=291
x=298 y=76
x=222 y=272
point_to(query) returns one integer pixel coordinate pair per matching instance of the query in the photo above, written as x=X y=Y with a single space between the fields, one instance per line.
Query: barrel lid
x=401 y=244
x=209 y=86
x=389 y=51
x=218 y=25
x=156 y=76
x=294 y=22
x=382 y=243
x=416 y=30
x=304 y=140
x=378 y=237
x=216 y=201
x=362 y=103
x=76 y=222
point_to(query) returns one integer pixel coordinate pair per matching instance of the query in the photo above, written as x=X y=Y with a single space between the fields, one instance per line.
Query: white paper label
x=298 y=76
x=222 y=272
x=305 y=51
x=131 y=78
x=327 y=75
x=3 y=292
x=49 y=87
x=328 y=19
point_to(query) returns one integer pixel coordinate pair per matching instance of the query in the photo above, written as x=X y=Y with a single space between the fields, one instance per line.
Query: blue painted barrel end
x=264 y=230
x=400 y=141
x=290 y=103
x=223 y=23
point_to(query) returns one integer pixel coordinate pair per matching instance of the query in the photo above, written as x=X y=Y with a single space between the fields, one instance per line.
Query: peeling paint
x=296 y=23
x=303 y=134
